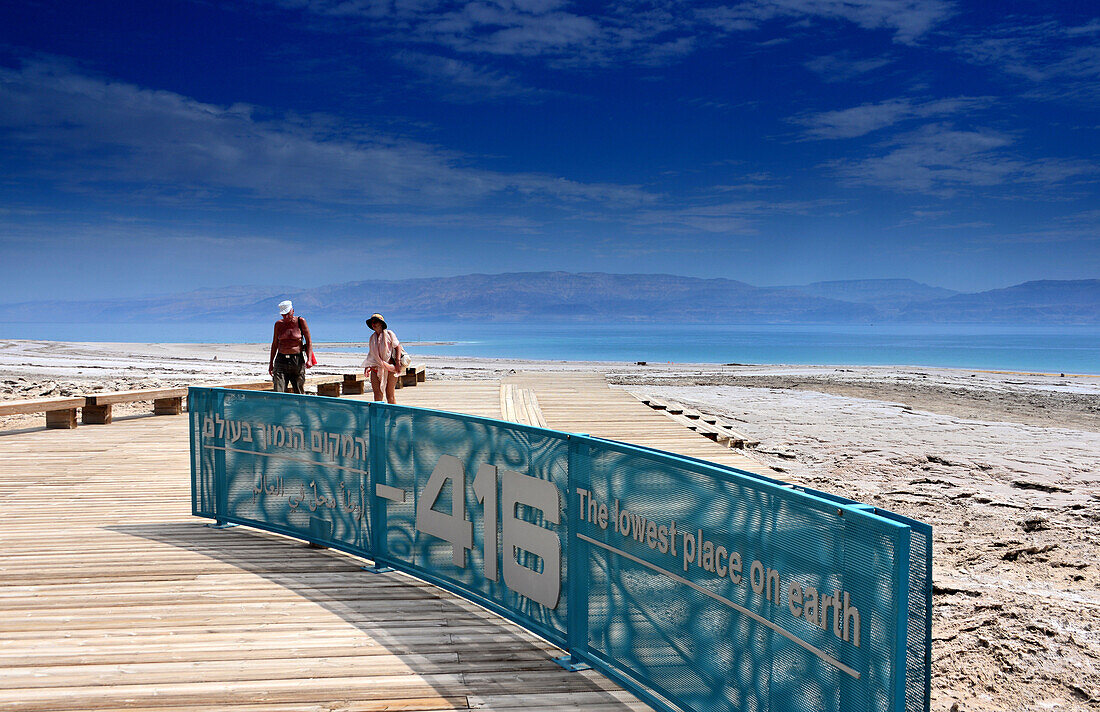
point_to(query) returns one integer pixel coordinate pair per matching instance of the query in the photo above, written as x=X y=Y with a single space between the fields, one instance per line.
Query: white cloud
x=942 y=160
x=1060 y=61
x=732 y=217
x=907 y=19
x=1090 y=28
x=91 y=132
x=844 y=67
x=633 y=31
x=864 y=119
x=463 y=82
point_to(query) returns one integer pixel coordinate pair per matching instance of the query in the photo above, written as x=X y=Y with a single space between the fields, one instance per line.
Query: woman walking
x=383 y=359
x=291 y=351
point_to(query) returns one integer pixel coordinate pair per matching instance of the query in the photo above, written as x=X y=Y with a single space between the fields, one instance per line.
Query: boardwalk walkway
x=113 y=597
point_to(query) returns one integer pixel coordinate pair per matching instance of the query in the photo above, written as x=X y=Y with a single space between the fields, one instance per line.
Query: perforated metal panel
x=697 y=586
x=705 y=637
x=416 y=440
x=284 y=463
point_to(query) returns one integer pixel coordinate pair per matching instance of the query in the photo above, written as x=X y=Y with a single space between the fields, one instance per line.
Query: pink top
x=380 y=350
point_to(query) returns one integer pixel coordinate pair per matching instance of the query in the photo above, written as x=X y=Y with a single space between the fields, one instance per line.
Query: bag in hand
x=307 y=353
x=400 y=359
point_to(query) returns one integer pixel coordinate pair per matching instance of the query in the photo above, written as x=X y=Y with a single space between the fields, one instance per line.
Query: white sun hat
x=285 y=307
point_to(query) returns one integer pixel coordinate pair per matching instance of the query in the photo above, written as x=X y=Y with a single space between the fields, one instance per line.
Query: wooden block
x=421 y=374
x=61 y=419
x=167 y=406
x=353 y=388
x=96 y=414
x=329 y=389
x=354 y=384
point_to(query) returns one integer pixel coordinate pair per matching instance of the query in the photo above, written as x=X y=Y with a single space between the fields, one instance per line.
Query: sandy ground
x=1005 y=466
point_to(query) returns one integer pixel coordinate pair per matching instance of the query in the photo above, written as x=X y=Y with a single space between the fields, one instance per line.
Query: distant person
x=383 y=363
x=291 y=351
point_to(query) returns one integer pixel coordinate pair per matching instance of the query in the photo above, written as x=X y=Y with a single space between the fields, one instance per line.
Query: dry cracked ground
x=1007 y=473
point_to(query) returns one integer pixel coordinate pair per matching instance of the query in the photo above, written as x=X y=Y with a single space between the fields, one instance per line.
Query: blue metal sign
x=698 y=587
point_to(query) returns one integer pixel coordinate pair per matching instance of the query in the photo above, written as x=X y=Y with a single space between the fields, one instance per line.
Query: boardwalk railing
x=696 y=586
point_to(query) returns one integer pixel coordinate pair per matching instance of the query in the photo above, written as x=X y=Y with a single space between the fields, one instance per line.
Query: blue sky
x=158 y=147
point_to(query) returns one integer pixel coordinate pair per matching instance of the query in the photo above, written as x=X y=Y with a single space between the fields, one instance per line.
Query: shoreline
x=52 y=368
x=1005 y=466
x=1033 y=349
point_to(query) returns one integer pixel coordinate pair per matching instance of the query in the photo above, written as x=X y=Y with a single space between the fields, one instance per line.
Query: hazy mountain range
x=599 y=297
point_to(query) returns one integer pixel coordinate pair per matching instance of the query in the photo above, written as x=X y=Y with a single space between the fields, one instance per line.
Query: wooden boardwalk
x=112 y=596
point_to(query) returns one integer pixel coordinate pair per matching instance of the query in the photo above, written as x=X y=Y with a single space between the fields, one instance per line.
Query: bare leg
x=375 y=384
x=391 y=385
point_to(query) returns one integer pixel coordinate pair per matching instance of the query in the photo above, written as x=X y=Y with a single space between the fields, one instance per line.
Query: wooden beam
x=135 y=396
x=249 y=386
x=40 y=405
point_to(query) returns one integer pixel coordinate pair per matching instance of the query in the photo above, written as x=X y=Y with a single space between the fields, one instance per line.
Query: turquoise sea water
x=1062 y=349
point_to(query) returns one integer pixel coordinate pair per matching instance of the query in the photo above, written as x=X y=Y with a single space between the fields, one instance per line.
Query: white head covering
x=285 y=307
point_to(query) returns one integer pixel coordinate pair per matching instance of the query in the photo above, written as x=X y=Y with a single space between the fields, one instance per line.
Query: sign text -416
x=517 y=534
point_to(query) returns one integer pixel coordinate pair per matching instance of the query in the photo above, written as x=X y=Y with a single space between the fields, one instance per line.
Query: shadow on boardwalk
x=459 y=652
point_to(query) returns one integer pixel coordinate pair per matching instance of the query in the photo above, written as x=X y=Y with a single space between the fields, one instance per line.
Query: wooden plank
x=40 y=405
x=725 y=431
x=737 y=439
x=100 y=399
x=583 y=403
x=705 y=429
x=247 y=386
x=507 y=402
x=520 y=405
x=531 y=407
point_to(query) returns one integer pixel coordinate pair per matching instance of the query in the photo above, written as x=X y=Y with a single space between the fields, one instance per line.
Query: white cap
x=285 y=307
